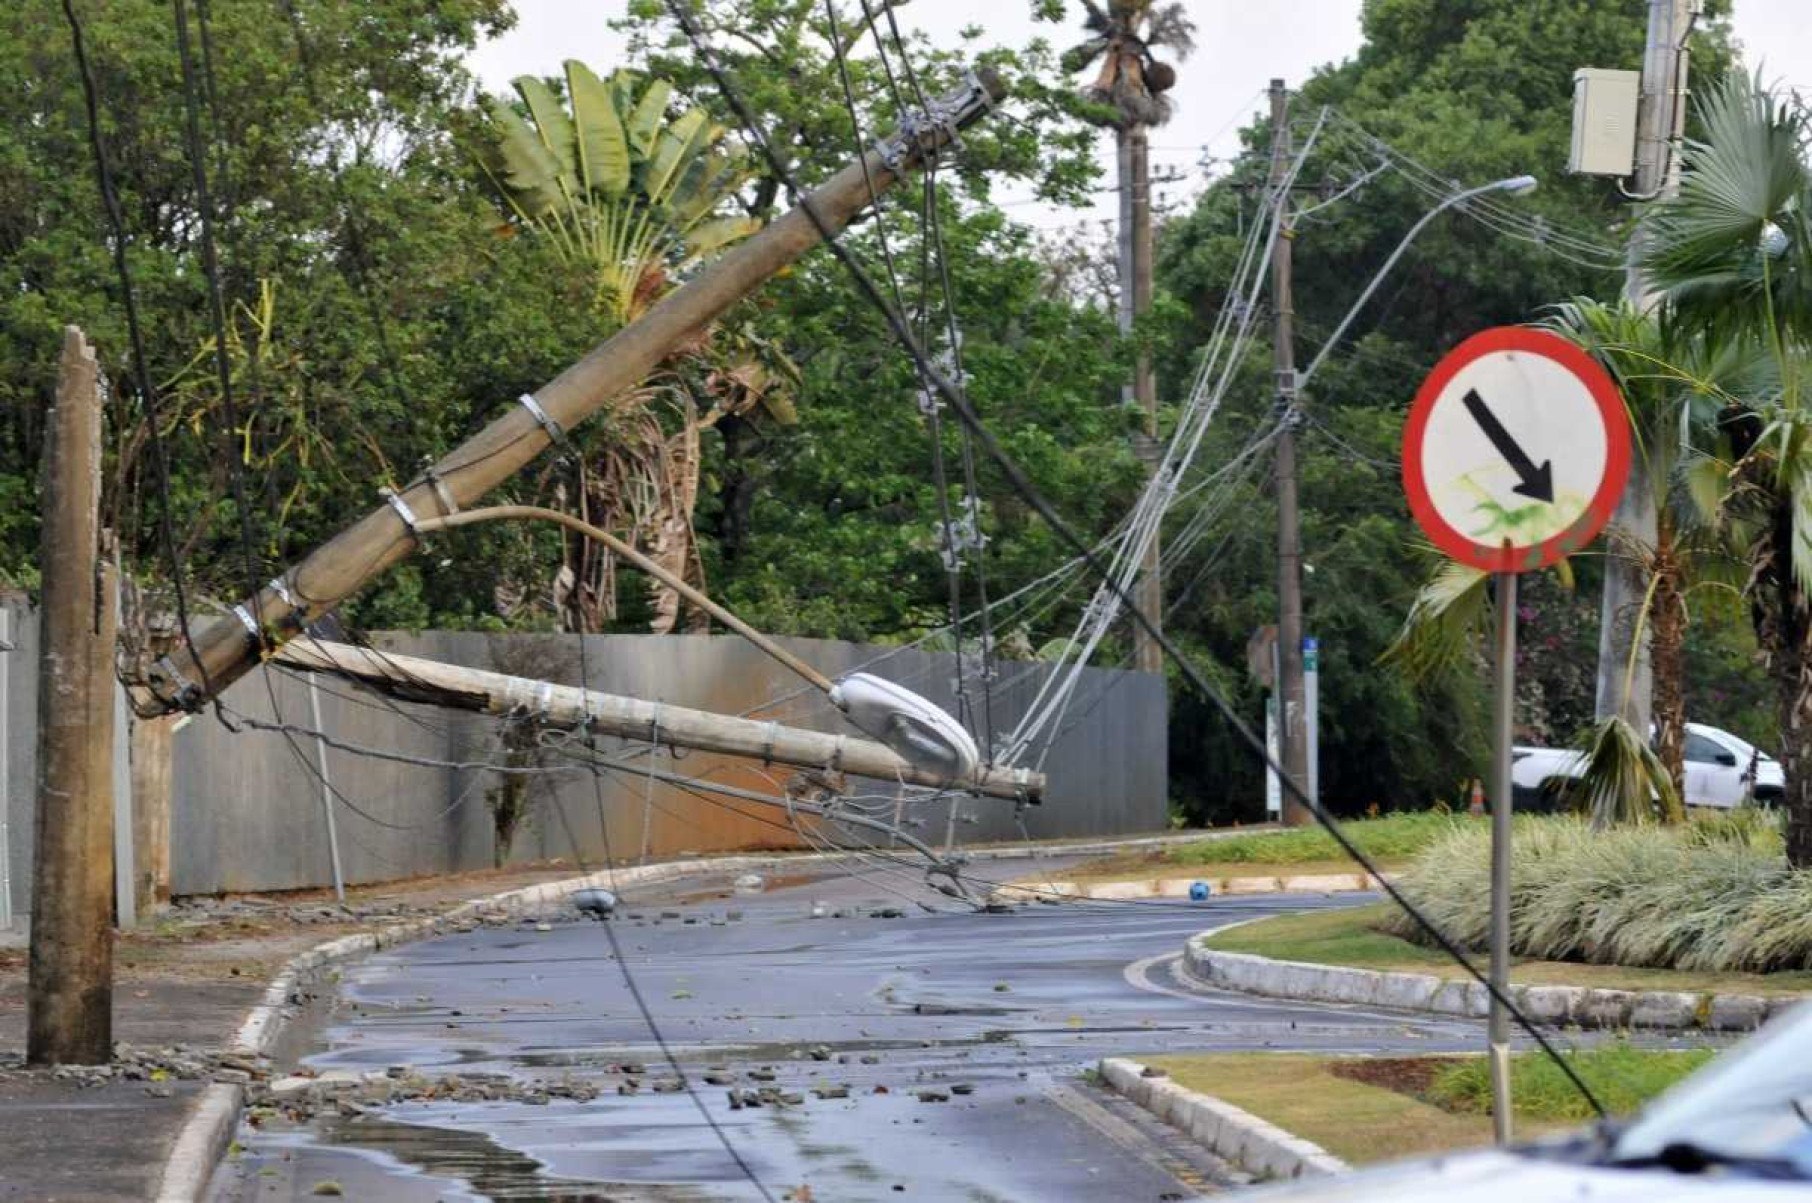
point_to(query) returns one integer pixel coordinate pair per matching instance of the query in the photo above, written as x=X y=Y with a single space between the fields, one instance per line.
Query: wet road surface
x=993 y=1018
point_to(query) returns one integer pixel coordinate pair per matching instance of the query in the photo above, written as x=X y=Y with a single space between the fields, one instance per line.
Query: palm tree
x=1732 y=256
x=634 y=196
x=1674 y=384
x=1128 y=93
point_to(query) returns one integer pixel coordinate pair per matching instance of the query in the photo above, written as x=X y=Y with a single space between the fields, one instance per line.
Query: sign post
x=1514 y=455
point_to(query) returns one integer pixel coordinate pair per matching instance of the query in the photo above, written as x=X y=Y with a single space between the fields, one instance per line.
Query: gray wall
x=19 y=732
x=247 y=811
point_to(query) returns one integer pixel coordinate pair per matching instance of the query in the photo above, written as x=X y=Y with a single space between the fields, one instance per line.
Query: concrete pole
x=1503 y=710
x=414 y=679
x=227 y=649
x=1660 y=122
x=327 y=816
x=1292 y=710
x=151 y=781
x=125 y=889
x=6 y=799
x=70 y=991
x=1148 y=656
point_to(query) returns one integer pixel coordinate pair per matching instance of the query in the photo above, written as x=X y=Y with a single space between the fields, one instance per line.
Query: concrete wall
x=19 y=736
x=248 y=811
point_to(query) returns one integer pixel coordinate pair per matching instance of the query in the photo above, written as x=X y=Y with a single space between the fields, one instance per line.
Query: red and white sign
x=1516 y=450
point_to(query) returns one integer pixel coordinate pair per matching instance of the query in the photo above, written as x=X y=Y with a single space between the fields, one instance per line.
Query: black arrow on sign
x=1536 y=482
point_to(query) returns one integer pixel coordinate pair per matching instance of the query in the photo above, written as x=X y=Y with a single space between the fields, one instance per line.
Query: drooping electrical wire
x=1029 y=492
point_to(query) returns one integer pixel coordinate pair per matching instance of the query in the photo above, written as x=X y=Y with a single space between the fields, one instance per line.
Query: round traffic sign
x=1516 y=450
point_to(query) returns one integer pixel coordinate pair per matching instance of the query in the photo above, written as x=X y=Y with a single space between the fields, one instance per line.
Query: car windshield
x=1743 y=748
x=1754 y=1103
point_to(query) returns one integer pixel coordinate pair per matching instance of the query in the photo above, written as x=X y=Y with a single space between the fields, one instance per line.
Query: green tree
x=1442 y=93
x=1733 y=257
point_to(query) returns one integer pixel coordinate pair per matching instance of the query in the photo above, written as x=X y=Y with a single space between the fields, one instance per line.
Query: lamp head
x=1517 y=185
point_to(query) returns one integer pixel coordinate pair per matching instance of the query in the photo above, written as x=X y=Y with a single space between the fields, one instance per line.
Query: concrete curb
x=1178 y=887
x=201 y=1144
x=1248 y=1142
x=1580 y=1006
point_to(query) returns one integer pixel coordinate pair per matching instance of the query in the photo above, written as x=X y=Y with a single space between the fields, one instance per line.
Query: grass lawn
x=1393 y=840
x=1347 y=937
x=1374 y=1109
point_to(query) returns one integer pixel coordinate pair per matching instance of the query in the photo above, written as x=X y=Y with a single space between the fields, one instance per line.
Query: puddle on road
x=490 y=1169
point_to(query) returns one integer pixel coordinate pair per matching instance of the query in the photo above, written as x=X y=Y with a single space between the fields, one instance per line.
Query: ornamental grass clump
x=1716 y=896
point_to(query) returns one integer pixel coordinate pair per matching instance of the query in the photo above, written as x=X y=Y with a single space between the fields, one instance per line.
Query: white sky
x=1240 y=46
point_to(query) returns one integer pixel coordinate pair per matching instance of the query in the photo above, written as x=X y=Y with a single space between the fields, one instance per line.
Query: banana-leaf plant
x=621 y=188
x=635 y=189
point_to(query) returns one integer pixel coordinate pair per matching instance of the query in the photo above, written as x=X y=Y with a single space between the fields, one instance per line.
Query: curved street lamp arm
x=1516 y=185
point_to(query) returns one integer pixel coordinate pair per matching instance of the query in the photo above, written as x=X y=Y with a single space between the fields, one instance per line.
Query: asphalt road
x=1000 y=1013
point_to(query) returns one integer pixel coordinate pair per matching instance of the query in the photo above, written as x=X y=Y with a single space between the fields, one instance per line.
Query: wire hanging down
x=1022 y=485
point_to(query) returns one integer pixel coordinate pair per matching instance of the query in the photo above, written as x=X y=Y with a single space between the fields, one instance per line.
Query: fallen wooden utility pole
x=228 y=648
x=69 y=1000
x=414 y=679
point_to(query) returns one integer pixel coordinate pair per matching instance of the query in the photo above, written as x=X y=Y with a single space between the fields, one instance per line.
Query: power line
x=1021 y=484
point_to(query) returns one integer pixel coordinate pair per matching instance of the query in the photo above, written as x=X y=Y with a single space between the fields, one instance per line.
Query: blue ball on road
x=1199 y=891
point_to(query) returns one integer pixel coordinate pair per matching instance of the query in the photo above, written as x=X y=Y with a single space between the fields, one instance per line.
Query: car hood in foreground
x=1490 y=1176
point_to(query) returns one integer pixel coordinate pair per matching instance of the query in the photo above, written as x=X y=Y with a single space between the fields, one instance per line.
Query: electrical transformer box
x=1604 y=121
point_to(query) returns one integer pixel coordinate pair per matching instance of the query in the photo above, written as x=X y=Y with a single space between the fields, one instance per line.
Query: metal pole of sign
x=333 y=836
x=1502 y=708
x=6 y=801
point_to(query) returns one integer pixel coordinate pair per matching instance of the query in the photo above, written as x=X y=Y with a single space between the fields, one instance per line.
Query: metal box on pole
x=1604 y=121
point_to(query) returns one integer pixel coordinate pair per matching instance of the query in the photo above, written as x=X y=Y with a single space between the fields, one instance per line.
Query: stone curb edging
x=1178 y=887
x=1248 y=1142
x=1582 y=1006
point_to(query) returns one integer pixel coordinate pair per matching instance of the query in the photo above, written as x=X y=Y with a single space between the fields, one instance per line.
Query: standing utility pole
x=1660 y=122
x=70 y=993
x=1135 y=303
x=1292 y=710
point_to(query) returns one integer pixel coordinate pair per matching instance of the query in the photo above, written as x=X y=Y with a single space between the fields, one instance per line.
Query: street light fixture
x=1516 y=185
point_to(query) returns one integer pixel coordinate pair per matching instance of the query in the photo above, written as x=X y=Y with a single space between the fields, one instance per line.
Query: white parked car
x=1721 y=771
x=1737 y=1131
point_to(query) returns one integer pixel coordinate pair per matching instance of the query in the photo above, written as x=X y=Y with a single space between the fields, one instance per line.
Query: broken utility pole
x=413 y=679
x=230 y=647
x=70 y=994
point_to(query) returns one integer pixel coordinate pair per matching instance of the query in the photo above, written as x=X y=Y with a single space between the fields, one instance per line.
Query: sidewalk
x=182 y=987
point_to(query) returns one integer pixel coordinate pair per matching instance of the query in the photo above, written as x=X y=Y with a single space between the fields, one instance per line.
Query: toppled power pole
x=414 y=679
x=229 y=648
x=70 y=994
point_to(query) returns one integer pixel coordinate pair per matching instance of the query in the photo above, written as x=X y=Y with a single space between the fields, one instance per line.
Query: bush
x=1390 y=837
x=1623 y=1078
x=1716 y=896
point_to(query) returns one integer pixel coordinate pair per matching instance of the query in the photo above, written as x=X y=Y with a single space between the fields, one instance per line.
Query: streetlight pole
x=1292 y=717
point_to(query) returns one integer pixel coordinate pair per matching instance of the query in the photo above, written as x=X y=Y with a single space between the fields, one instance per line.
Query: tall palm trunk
x=1783 y=625
x=1667 y=658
